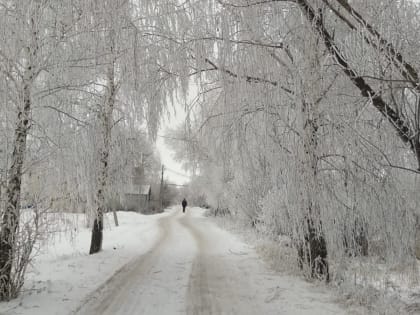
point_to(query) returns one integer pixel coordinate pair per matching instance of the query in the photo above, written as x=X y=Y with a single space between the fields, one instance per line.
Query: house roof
x=138 y=190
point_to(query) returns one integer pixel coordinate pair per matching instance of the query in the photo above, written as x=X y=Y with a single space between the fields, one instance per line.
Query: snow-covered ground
x=374 y=288
x=172 y=263
x=63 y=273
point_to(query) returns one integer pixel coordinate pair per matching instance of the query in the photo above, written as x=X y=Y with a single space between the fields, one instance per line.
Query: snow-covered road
x=197 y=268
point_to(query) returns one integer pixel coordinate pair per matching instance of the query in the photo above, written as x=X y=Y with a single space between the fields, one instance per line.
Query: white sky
x=174 y=173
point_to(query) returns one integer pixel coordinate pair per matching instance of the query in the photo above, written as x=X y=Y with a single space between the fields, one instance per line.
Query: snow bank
x=63 y=273
x=261 y=290
x=375 y=288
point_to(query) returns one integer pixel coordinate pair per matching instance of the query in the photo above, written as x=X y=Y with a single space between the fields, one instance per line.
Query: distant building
x=137 y=198
x=145 y=196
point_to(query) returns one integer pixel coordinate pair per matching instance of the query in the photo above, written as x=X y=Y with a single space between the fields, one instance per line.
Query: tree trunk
x=97 y=229
x=106 y=124
x=313 y=251
x=10 y=219
x=114 y=212
x=96 y=240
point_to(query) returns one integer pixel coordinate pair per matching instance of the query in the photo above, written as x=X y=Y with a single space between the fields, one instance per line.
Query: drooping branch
x=247 y=78
x=399 y=122
x=378 y=42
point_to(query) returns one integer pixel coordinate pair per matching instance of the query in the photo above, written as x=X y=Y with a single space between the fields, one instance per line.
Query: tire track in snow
x=206 y=285
x=197 y=268
x=109 y=297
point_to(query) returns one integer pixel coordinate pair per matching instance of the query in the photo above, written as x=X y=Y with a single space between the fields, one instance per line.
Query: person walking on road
x=184 y=205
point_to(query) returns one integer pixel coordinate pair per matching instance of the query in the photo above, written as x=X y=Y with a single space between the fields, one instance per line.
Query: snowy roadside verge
x=379 y=291
x=280 y=258
x=63 y=273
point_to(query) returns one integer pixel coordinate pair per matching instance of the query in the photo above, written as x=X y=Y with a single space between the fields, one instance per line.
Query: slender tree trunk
x=314 y=250
x=10 y=219
x=106 y=117
x=106 y=124
x=96 y=242
x=114 y=212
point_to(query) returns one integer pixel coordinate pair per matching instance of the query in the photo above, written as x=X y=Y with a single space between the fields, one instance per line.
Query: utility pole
x=161 y=190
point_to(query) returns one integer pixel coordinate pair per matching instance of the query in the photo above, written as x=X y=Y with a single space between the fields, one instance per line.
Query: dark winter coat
x=184 y=203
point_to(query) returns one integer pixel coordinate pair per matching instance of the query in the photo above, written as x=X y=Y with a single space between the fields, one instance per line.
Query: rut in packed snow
x=197 y=268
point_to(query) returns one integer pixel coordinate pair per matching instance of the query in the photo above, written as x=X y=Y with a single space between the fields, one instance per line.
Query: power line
x=169 y=137
x=177 y=173
x=178 y=185
x=161 y=189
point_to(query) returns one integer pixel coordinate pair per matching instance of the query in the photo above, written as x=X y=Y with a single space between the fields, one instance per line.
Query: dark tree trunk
x=356 y=241
x=106 y=124
x=362 y=243
x=97 y=229
x=10 y=219
x=96 y=241
x=313 y=250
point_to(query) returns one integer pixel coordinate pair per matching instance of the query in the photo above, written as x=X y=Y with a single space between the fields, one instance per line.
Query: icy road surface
x=197 y=268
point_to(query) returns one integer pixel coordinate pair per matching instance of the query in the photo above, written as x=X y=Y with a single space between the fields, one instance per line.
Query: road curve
x=146 y=285
x=196 y=268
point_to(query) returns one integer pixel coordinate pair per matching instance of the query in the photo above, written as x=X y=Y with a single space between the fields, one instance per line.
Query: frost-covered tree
x=69 y=74
x=307 y=104
x=132 y=76
x=32 y=35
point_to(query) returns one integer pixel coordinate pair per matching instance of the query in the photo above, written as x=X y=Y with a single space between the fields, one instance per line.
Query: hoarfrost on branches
x=302 y=120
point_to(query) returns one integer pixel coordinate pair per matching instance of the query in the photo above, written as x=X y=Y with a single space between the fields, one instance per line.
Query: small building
x=138 y=198
x=145 y=196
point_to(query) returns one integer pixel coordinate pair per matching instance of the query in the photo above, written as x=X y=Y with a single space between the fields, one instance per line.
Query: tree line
x=307 y=125
x=303 y=116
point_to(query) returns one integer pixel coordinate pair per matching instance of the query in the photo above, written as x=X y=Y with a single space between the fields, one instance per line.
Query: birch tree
x=29 y=41
x=329 y=111
x=133 y=75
